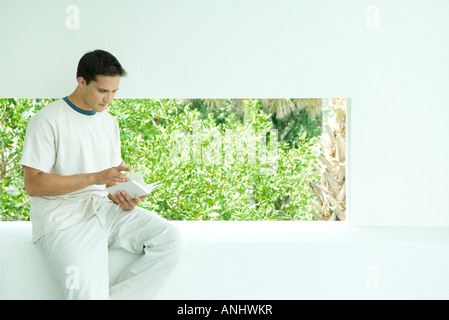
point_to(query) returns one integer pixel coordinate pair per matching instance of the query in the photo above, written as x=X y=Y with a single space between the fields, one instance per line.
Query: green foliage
x=214 y=165
x=161 y=138
x=14 y=116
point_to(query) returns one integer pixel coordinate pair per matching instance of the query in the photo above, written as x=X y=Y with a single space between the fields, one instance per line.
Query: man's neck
x=77 y=99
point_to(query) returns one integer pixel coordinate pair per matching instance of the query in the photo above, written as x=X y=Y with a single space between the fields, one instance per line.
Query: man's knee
x=169 y=241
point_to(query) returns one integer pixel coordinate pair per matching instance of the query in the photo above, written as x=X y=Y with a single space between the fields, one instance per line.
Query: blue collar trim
x=87 y=113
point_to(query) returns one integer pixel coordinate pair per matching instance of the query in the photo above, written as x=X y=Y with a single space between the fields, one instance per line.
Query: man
x=70 y=154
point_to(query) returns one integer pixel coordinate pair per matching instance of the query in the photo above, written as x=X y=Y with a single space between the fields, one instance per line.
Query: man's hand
x=121 y=198
x=112 y=175
x=124 y=200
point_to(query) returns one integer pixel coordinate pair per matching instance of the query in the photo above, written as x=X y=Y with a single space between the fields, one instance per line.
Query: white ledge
x=274 y=232
x=266 y=260
x=307 y=232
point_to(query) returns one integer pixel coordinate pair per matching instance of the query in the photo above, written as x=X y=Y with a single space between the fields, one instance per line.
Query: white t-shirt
x=62 y=139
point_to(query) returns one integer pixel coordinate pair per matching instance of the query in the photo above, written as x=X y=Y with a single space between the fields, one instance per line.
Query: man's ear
x=81 y=82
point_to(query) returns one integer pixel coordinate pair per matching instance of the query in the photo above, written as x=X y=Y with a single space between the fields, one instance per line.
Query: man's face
x=100 y=93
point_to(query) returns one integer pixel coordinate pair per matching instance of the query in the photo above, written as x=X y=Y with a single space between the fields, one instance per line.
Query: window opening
x=219 y=159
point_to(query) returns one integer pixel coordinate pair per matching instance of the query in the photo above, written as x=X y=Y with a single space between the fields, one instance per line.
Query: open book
x=136 y=186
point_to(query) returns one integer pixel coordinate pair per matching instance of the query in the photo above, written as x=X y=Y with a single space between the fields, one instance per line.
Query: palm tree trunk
x=330 y=203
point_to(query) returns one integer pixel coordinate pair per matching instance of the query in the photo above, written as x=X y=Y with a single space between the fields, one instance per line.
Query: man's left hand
x=123 y=199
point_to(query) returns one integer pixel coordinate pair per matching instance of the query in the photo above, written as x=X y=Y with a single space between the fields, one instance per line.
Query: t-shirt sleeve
x=39 y=150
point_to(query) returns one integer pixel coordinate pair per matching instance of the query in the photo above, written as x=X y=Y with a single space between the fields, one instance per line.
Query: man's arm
x=39 y=183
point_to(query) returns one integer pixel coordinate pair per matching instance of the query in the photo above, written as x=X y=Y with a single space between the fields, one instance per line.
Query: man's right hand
x=111 y=175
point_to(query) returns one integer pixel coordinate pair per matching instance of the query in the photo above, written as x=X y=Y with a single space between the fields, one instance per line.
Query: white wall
x=390 y=57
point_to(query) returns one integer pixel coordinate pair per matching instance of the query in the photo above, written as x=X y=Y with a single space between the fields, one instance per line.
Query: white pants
x=79 y=255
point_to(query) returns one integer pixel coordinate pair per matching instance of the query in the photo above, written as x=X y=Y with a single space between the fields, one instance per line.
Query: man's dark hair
x=98 y=62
